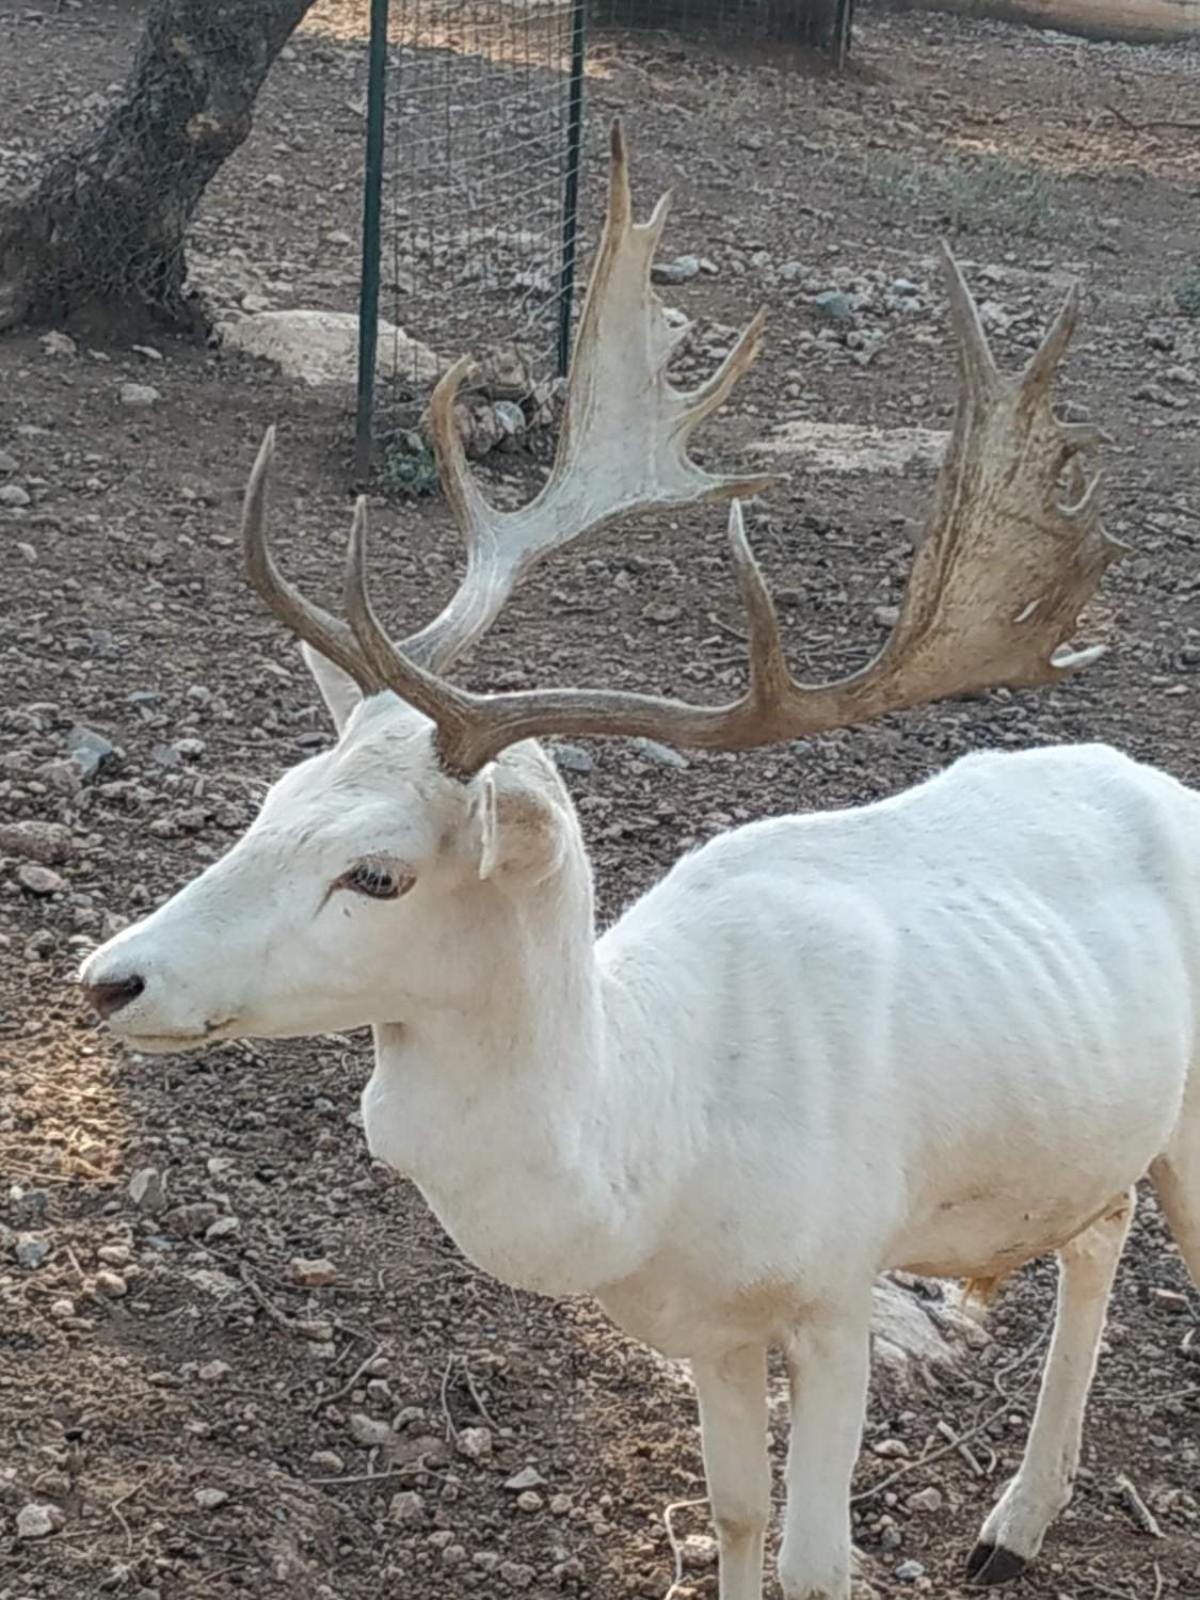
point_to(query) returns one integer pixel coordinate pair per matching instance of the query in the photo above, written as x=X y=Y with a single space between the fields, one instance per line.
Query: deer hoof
x=991 y=1564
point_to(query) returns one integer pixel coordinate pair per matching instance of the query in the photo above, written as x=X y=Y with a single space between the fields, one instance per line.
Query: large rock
x=321 y=347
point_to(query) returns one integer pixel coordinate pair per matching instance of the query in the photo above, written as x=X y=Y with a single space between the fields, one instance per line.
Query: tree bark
x=100 y=238
x=1131 y=21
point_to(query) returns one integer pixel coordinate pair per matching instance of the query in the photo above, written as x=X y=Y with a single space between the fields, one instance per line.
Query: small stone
x=9 y=462
x=834 y=305
x=114 y=1255
x=903 y=287
x=370 y=1431
x=223 y=1228
x=328 y=1461
x=910 y=1571
x=213 y=1371
x=148 y=1190
x=315 y=1272
x=12 y=494
x=510 y=418
x=147 y=350
x=55 y=343
x=698 y=1552
x=682 y=270
x=560 y=1505
x=527 y=1478
x=475 y=1443
x=929 y=1499
x=38 y=1519
x=530 y=1501
x=453 y=1555
x=890 y=1448
x=572 y=758
x=406 y=1508
x=187 y=1221
x=62 y=1310
x=516 y=1574
x=111 y=1284
x=39 y=880
x=887 y=616
x=210 y=1499
x=47 y=842
x=661 y=753
x=139 y=396
x=90 y=751
x=338 y=236
x=31 y=1251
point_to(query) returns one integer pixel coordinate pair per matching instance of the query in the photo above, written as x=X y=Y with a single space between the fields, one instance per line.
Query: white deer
x=947 y=1032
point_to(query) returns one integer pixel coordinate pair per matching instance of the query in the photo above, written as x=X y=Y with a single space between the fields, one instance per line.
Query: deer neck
x=513 y=1115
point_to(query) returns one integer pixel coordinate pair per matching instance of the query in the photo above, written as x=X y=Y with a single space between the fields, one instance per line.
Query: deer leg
x=733 y=1424
x=1176 y=1178
x=828 y=1360
x=1013 y=1533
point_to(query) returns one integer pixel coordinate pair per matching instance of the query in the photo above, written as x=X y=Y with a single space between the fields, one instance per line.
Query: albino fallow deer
x=947 y=1032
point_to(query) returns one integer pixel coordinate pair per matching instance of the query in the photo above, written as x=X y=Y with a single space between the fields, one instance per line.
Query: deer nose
x=109 y=998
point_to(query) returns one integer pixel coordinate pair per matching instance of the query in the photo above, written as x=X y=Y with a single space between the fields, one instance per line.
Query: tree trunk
x=101 y=236
x=1132 y=21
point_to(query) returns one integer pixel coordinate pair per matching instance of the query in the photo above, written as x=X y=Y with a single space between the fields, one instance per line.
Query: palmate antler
x=997 y=583
x=623 y=448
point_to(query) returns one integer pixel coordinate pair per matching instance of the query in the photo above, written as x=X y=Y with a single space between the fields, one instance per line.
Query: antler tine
x=307 y=621
x=623 y=446
x=977 y=365
x=430 y=694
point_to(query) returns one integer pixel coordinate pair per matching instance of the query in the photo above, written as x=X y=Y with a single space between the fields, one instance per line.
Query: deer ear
x=338 y=689
x=518 y=833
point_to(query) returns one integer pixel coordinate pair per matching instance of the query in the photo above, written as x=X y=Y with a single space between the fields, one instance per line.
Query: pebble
x=406 y=1508
x=139 y=396
x=31 y=1251
x=315 y=1272
x=910 y=1571
x=887 y=616
x=929 y=1499
x=38 y=1519
x=572 y=758
x=328 y=1461
x=210 y=1499
x=9 y=462
x=56 y=343
x=39 y=880
x=370 y=1431
x=475 y=1443
x=12 y=494
x=530 y=1501
x=682 y=270
x=698 y=1552
x=516 y=1574
x=214 y=1371
x=223 y=1228
x=48 y=842
x=187 y=1221
x=662 y=753
x=890 y=1447
x=148 y=1189
x=90 y=750
x=527 y=1478
x=835 y=305
x=111 y=1284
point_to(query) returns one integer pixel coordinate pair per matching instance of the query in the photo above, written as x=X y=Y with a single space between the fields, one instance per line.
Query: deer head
x=379 y=876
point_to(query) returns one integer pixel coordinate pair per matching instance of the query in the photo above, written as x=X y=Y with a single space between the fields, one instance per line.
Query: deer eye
x=377 y=880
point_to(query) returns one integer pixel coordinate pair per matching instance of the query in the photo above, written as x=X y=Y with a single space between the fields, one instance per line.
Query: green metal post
x=368 y=292
x=570 y=230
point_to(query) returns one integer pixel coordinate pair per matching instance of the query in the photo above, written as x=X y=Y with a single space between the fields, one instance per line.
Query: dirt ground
x=204 y=1423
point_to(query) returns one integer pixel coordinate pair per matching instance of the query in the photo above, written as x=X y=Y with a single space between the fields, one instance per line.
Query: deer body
x=946 y=1032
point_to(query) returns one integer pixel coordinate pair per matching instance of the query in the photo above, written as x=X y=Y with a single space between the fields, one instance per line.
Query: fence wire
x=477 y=232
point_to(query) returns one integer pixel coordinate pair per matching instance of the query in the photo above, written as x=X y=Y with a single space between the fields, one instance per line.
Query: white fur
x=945 y=1032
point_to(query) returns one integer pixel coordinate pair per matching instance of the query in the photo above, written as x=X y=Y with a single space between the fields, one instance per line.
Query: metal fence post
x=566 y=277
x=368 y=293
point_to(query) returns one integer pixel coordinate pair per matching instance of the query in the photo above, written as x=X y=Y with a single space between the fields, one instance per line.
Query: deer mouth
x=161 y=1044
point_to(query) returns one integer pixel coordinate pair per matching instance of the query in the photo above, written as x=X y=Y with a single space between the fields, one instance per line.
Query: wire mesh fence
x=477 y=227
x=823 y=24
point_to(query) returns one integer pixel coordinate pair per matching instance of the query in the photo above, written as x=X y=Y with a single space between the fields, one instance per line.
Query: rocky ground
x=236 y=1355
